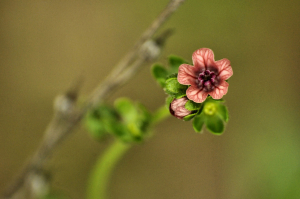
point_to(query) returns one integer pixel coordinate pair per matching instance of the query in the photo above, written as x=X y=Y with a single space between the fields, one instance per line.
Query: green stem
x=98 y=182
x=99 y=178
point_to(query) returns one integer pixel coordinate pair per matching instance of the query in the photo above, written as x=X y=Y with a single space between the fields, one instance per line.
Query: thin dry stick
x=67 y=115
x=164 y=15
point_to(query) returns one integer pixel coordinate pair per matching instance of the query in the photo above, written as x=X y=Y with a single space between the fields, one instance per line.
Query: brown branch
x=67 y=116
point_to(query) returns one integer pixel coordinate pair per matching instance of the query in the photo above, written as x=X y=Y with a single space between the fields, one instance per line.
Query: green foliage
x=169 y=100
x=175 y=62
x=198 y=123
x=214 y=115
x=161 y=73
x=101 y=121
x=174 y=88
x=192 y=106
x=189 y=117
x=223 y=112
x=214 y=124
x=128 y=121
x=126 y=109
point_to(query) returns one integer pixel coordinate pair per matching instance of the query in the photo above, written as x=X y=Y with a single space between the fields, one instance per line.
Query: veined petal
x=224 y=67
x=186 y=74
x=219 y=91
x=195 y=94
x=181 y=112
x=178 y=103
x=202 y=58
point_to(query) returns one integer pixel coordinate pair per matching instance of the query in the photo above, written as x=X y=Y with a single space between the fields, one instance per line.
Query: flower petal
x=225 y=70
x=182 y=112
x=219 y=91
x=195 y=94
x=178 y=103
x=202 y=58
x=186 y=74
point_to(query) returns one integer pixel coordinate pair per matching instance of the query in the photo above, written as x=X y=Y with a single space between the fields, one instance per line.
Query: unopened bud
x=177 y=108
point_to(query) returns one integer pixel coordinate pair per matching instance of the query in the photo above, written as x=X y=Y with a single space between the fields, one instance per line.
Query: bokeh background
x=45 y=45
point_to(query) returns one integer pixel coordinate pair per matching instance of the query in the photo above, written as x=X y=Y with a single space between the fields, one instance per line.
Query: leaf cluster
x=126 y=120
x=214 y=115
x=161 y=73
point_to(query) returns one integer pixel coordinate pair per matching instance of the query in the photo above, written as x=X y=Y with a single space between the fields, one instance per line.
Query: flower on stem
x=177 y=108
x=206 y=77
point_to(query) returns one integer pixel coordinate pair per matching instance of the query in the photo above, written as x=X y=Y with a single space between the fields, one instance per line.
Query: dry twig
x=67 y=115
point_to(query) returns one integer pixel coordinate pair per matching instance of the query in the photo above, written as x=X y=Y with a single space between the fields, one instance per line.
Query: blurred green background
x=45 y=45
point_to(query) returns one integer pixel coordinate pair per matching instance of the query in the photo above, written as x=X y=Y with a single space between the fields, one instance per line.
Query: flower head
x=177 y=108
x=206 y=77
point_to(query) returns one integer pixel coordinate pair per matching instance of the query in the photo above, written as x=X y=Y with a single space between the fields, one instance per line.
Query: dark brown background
x=45 y=45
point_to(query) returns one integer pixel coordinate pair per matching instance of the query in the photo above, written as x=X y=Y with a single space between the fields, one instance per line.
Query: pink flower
x=177 y=108
x=206 y=77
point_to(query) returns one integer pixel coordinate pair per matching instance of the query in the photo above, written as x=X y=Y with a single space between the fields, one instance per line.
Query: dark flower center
x=207 y=80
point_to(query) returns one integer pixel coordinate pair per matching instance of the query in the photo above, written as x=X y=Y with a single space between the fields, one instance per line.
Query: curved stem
x=99 y=178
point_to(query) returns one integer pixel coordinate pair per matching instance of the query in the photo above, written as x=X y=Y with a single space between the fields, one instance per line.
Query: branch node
x=150 y=50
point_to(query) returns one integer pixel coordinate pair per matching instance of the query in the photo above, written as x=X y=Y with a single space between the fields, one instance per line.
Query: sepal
x=160 y=74
x=214 y=115
x=173 y=87
x=198 y=123
x=214 y=124
x=192 y=106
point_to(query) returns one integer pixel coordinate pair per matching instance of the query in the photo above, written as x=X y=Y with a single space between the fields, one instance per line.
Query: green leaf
x=180 y=95
x=173 y=75
x=159 y=73
x=136 y=121
x=161 y=82
x=198 y=122
x=126 y=109
x=144 y=118
x=169 y=100
x=95 y=120
x=95 y=127
x=192 y=106
x=173 y=87
x=209 y=98
x=175 y=62
x=189 y=117
x=115 y=128
x=223 y=112
x=214 y=124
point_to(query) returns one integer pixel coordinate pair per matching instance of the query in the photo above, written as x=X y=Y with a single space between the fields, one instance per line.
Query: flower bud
x=177 y=108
